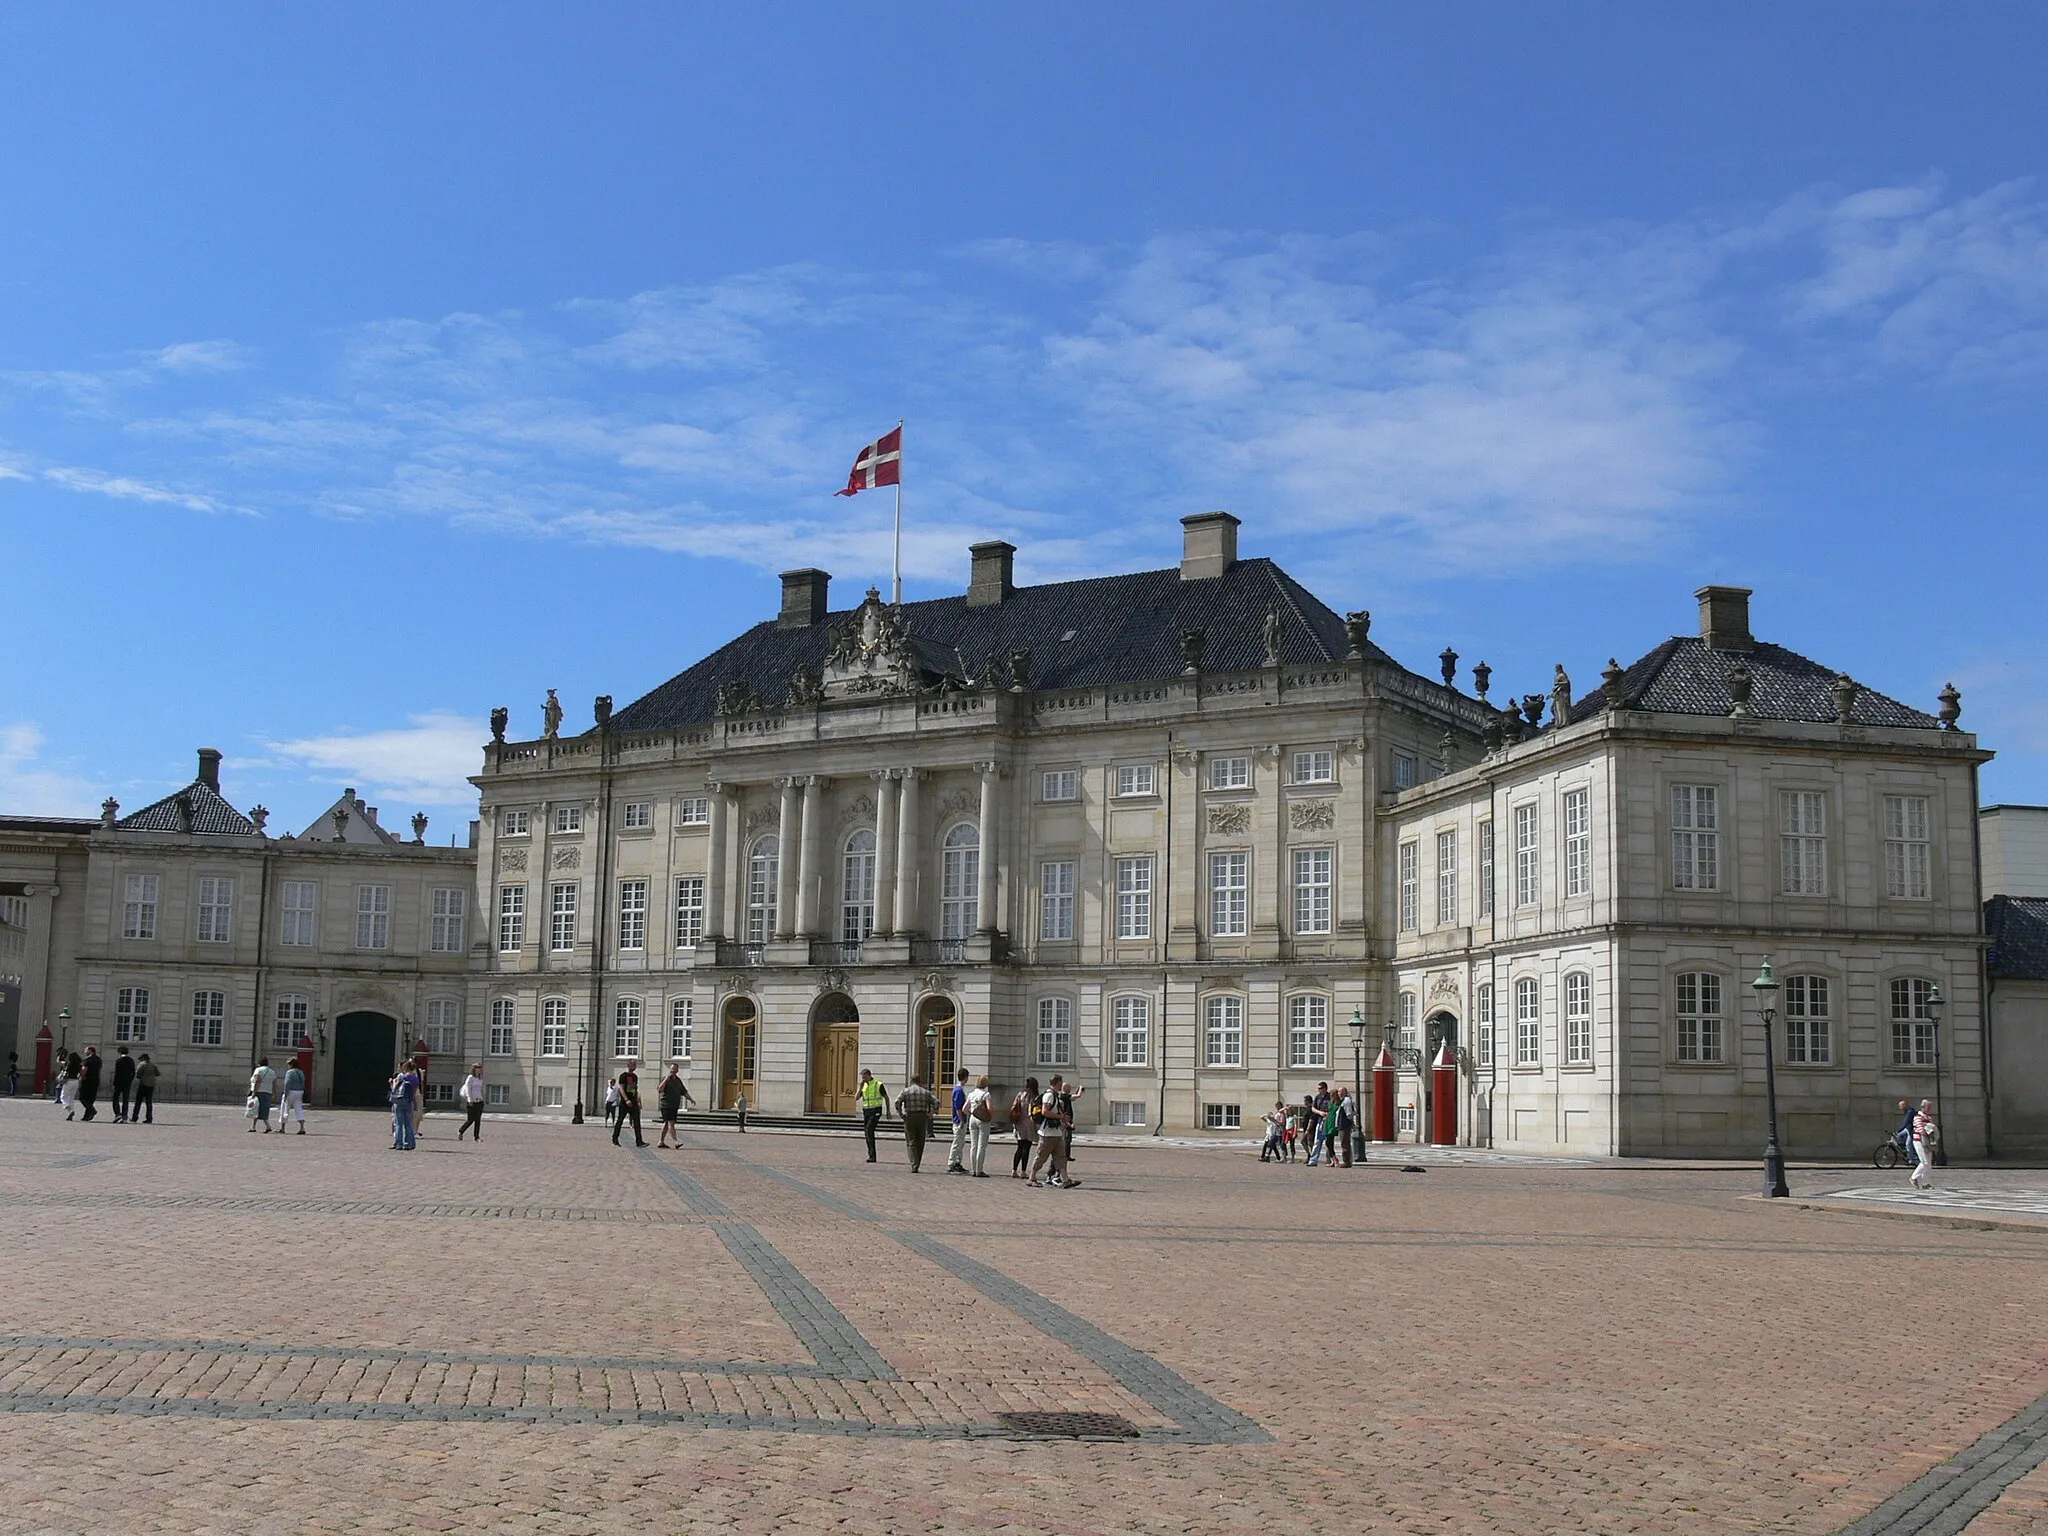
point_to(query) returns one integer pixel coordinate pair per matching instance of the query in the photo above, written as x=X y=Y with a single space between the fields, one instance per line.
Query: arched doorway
x=835 y=1055
x=938 y=1034
x=1442 y=1030
x=365 y=1055
x=739 y=1049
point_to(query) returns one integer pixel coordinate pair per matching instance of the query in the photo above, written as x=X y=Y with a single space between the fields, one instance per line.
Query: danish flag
x=880 y=463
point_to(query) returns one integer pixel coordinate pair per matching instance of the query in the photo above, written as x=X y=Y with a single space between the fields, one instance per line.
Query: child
x=1276 y=1134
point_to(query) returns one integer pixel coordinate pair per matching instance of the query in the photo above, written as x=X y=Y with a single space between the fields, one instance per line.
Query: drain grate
x=1072 y=1426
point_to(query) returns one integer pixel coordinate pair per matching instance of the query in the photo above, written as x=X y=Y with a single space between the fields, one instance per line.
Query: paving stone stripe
x=257 y=1205
x=373 y=1353
x=1944 y=1500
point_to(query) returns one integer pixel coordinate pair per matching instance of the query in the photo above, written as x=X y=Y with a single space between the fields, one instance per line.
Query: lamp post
x=1935 y=1003
x=582 y=1050
x=1766 y=988
x=931 y=1054
x=1358 y=1085
x=63 y=1030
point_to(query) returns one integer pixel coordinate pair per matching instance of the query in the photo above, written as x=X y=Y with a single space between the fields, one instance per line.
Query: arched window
x=1055 y=1032
x=1223 y=1031
x=1130 y=1031
x=763 y=866
x=1407 y=1022
x=960 y=878
x=1578 y=1019
x=1528 y=1022
x=554 y=1023
x=1308 y=1031
x=857 y=907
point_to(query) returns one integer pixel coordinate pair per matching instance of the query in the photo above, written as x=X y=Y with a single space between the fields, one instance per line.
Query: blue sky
x=364 y=368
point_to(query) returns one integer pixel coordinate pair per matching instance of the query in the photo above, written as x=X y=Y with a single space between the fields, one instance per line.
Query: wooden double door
x=835 y=1069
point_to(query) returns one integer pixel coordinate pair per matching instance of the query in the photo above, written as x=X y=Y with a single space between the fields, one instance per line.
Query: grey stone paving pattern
x=1944 y=1500
x=432 y=1356
x=265 y=1206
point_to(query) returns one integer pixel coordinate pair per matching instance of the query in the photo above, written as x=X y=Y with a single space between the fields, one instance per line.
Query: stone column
x=807 y=858
x=985 y=862
x=786 y=838
x=885 y=850
x=714 y=863
x=907 y=853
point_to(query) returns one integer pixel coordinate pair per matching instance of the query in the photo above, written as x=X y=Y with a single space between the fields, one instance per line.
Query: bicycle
x=1895 y=1149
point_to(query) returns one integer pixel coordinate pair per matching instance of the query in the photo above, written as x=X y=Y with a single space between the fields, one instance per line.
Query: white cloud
x=201 y=357
x=28 y=787
x=426 y=761
x=126 y=489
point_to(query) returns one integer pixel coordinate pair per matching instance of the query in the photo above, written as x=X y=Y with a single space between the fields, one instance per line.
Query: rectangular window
x=1229 y=885
x=1223 y=1031
x=440 y=1093
x=568 y=818
x=959 y=883
x=682 y=1014
x=498 y=1093
x=1528 y=856
x=511 y=918
x=1130 y=1036
x=1578 y=844
x=1578 y=1019
x=1482 y=1008
x=638 y=817
x=1308 y=1031
x=451 y=907
x=1528 y=1022
x=693 y=811
x=626 y=1028
x=1314 y=768
x=1060 y=784
x=209 y=1018
x=1134 y=779
x=1405 y=1116
x=1913 y=1029
x=1222 y=1117
x=14 y=911
x=1809 y=1021
x=1410 y=878
x=444 y=1027
x=1056 y=902
x=1700 y=1034
x=1803 y=842
x=562 y=918
x=632 y=914
x=516 y=824
x=499 y=1040
x=301 y=913
x=138 y=915
x=554 y=1024
x=1696 y=837
x=547 y=1098
x=1230 y=773
x=1406 y=1027
x=131 y=1016
x=689 y=911
x=1134 y=898
x=373 y=917
x=1486 y=869
x=1446 y=878
x=1055 y=1032
x=1312 y=908
x=1907 y=850
x=216 y=908
x=289 y=1026
x=1404 y=770
x=1127 y=1112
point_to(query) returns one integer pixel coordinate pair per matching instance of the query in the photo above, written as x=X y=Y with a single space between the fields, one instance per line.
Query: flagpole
x=897 y=597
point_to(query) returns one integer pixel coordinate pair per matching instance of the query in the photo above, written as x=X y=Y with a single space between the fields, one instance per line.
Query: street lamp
x=931 y=1053
x=63 y=1030
x=1358 y=1085
x=1934 y=1007
x=582 y=1050
x=1766 y=989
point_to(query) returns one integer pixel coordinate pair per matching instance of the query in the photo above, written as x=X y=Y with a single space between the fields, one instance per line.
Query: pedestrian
x=956 y=1156
x=293 y=1102
x=916 y=1104
x=981 y=1114
x=13 y=1073
x=124 y=1082
x=611 y=1101
x=1333 y=1112
x=472 y=1095
x=673 y=1093
x=405 y=1090
x=89 y=1083
x=67 y=1085
x=739 y=1109
x=1346 y=1118
x=1318 y=1106
x=1068 y=1093
x=1052 y=1135
x=1024 y=1125
x=1276 y=1133
x=146 y=1074
x=1926 y=1138
x=262 y=1085
x=629 y=1105
x=874 y=1103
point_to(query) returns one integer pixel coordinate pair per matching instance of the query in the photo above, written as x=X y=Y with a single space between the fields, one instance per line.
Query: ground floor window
x=1126 y=1111
x=547 y=1098
x=501 y=1093
x=1222 y=1117
x=1405 y=1119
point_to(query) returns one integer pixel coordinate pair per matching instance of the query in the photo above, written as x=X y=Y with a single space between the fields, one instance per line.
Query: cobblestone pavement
x=211 y=1330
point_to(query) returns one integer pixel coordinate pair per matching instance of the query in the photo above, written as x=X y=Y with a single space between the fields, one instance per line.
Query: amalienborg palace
x=1169 y=833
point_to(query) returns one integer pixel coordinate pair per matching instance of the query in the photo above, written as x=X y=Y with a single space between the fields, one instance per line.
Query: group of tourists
x=1324 y=1123
x=135 y=1080
x=622 y=1103
x=1040 y=1119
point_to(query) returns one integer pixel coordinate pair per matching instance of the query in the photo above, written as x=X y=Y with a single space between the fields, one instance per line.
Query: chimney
x=1209 y=547
x=990 y=583
x=1724 y=618
x=209 y=768
x=803 y=598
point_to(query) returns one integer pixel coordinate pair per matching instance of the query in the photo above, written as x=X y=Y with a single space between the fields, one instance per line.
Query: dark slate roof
x=1684 y=676
x=48 y=824
x=205 y=813
x=2018 y=930
x=1124 y=629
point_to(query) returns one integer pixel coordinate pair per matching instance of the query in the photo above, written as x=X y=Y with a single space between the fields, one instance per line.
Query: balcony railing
x=938 y=951
x=733 y=952
x=832 y=952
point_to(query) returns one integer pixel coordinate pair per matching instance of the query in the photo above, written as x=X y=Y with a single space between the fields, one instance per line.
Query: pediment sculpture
x=871 y=653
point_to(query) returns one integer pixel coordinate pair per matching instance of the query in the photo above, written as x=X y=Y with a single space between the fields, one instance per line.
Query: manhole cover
x=1072 y=1426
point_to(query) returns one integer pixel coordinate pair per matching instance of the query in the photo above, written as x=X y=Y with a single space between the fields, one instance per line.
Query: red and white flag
x=880 y=463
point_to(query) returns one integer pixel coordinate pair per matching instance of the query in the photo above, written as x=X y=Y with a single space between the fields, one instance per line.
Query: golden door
x=835 y=1069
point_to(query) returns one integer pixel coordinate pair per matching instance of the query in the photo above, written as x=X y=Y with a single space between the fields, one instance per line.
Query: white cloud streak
x=427 y=761
x=29 y=787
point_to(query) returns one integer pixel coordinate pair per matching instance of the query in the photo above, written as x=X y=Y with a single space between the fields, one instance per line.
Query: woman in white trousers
x=1925 y=1134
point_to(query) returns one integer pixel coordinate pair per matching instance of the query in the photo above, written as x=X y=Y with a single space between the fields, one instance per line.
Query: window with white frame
x=959 y=882
x=1407 y=1014
x=373 y=917
x=1482 y=1010
x=1230 y=773
x=1404 y=770
x=1405 y=1117
x=1447 y=878
x=451 y=908
x=1222 y=1117
x=632 y=914
x=498 y=1040
x=1702 y=1035
x=1528 y=1022
x=511 y=918
x=1528 y=857
x=638 y=816
x=1410 y=886
x=562 y=903
x=1223 y=1030
x=209 y=1017
x=1578 y=1019
x=1486 y=875
x=1134 y=779
x=1315 y=768
x=857 y=888
x=1127 y=1112
x=554 y=1023
x=689 y=911
x=547 y=1098
x=626 y=1028
x=131 y=1015
x=1056 y=901
x=1907 y=848
x=682 y=1034
x=515 y=823
x=216 y=908
x=1055 y=1032
x=300 y=904
x=1578 y=844
x=498 y=1093
x=568 y=818
x=1803 y=842
x=1696 y=837
x=763 y=866
x=1134 y=898
x=1312 y=905
x=1059 y=784
x=290 y=1023
x=1229 y=886
x=1809 y=1021
x=1308 y=1030
x=444 y=1027
x=1913 y=1039
x=138 y=912
x=693 y=811
x=1130 y=1031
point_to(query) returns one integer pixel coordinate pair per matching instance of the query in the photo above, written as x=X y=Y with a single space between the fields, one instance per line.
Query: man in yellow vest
x=874 y=1103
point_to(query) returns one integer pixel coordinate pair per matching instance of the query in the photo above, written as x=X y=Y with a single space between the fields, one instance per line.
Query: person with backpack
x=981 y=1113
x=1024 y=1126
x=1056 y=1109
